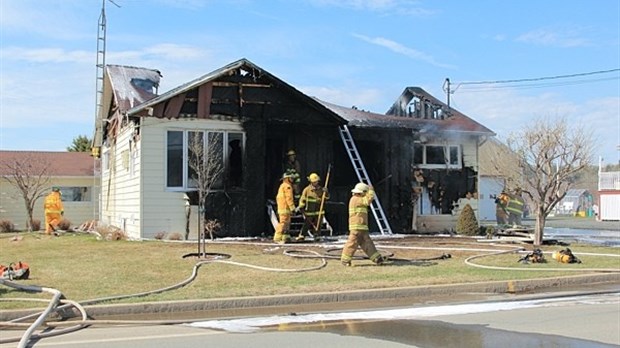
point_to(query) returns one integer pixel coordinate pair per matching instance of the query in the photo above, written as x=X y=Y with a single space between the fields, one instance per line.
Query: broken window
x=437 y=156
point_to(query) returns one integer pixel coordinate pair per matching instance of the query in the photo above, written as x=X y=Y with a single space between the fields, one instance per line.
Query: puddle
x=431 y=334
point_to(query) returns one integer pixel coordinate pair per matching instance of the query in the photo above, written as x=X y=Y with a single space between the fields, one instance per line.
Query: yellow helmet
x=314 y=177
x=291 y=153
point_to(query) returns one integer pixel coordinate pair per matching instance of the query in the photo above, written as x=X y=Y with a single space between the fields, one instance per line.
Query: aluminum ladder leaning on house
x=362 y=175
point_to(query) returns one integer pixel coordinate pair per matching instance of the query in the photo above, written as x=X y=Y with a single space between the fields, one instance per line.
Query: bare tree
x=30 y=175
x=206 y=163
x=549 y=154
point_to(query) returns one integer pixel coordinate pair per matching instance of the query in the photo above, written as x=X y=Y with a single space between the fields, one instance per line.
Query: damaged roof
x=240 y=88
x=439 y=116
x=452 y=121
x=132 y=86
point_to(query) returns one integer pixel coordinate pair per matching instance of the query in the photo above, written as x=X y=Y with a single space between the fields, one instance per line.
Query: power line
x=537 y=78
x=470 y=88
x=447 y=87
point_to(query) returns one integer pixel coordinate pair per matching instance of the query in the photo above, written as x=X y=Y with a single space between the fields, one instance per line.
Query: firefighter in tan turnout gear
x=286 y=208
x=310 y=206
x=54 y=210
x=362 y=196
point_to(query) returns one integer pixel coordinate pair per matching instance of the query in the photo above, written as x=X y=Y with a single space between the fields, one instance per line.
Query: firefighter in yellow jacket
x=310 y=206
x=362 y=196
x=54 y=210
x=286 y=208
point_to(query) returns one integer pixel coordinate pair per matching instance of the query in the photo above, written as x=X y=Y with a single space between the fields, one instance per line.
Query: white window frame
x=186 y=181
x=451 y=163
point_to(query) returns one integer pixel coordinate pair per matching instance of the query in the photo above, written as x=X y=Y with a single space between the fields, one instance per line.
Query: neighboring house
x=576 y=202
x=75 y=173
x=496 y=160
x=143 y=140
x=609 y=195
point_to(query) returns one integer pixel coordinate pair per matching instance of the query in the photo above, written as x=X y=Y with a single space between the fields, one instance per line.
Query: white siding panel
x=121 y=185
x=164 y=210
x=12 y=207
x=610 y=206
x=470 y=154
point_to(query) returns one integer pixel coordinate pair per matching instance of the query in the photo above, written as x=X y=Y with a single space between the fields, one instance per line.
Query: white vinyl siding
x=120 y=185
x=163 y=208
x=12 y=206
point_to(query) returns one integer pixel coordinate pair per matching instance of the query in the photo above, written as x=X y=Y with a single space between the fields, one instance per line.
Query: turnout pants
x=359 y=239
x=284 y=223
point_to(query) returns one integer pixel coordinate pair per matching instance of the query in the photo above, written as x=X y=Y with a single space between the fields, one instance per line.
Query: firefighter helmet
x=314 y=177
x=360 y=188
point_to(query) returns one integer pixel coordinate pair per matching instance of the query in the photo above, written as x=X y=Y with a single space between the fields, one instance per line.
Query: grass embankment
x=84 y=268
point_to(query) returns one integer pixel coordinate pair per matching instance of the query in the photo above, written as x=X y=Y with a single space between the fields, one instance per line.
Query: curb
x=496 y=287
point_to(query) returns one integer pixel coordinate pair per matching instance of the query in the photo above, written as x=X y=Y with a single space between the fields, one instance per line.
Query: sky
x=563 y=54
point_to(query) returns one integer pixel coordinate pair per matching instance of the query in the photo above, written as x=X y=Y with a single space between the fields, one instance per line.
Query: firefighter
x=286 y=208
x=515 y=208
x=310 y=206
x=292 y=166
x=501 y=202
x=54 y=210
x=362 y=196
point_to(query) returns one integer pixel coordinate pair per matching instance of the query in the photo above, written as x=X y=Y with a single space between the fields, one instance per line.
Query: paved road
x=581 y=321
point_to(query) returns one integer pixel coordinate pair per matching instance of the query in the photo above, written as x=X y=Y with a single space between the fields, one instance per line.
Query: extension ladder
x=362 y=175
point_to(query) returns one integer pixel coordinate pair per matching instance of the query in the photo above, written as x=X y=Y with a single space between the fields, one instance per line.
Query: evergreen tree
x=467 y=224
x=81 y=143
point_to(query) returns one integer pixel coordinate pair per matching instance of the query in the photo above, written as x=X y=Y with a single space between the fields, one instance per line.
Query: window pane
x=174 y=159
x=215 y=161
x=195 y=155
x=435 y=155
x=75 y=194
x=235 y=159
x=418 y=151
x=454 y=155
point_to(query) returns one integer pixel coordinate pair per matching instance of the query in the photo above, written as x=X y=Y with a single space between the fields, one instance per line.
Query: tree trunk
x=30 y=212
x=540 y=227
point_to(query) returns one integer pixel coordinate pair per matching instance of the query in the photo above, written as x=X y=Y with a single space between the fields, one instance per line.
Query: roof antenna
x=101 y=43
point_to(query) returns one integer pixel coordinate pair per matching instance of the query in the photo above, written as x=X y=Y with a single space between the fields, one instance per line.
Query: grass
x=85 y=268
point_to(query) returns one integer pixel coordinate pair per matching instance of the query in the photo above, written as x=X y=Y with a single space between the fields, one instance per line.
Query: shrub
x=212 y=227
x=64 y=225
x=7 y=226
x=35 y=224
x=467 y=224
x=160 y=235
x=175 y=236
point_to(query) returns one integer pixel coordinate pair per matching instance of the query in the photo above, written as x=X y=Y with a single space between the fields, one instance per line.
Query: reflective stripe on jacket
x=358 y=211
x=311 y=200
x=515 y=205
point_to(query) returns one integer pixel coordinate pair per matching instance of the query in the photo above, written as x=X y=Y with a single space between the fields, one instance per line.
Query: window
x=437 y=156
x=75 y=194
x=184 y=145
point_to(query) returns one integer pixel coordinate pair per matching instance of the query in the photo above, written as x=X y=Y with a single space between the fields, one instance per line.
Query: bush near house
x=7 y=226
x=64 y=225
x=467 y=224
x=36 y=224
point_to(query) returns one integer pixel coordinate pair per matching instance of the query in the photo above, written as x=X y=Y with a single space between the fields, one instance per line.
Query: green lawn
x=84 y=268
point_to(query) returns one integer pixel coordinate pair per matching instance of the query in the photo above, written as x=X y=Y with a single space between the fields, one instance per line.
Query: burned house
x=254 y=118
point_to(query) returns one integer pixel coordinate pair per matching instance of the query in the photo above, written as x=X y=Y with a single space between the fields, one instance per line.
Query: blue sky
x=348 y=52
